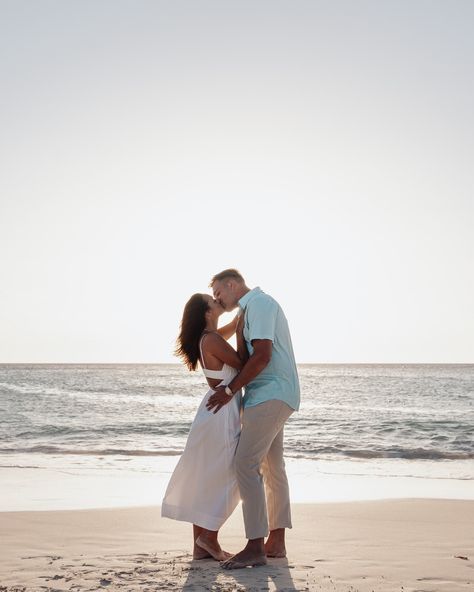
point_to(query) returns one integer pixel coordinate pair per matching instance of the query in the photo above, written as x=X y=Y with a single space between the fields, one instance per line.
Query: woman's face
x=215 y=309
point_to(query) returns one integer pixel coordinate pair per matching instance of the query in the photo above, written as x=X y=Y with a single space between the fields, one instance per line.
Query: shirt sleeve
x=261 y=319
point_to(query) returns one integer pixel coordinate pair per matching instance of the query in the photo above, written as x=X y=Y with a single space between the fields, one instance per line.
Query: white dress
x=203 y=488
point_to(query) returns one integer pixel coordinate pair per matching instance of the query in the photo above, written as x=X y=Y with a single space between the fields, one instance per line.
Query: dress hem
x=190 y=515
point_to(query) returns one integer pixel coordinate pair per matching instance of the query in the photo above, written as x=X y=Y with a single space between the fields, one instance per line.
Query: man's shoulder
x=263 y=300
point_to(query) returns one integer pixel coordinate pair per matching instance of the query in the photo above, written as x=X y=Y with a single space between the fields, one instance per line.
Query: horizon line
x=180 y=364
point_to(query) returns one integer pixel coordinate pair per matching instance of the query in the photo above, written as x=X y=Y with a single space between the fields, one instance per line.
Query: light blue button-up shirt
x=264 y=319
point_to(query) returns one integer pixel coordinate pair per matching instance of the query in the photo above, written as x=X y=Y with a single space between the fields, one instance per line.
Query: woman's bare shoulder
x=213 y=342
x=212 y=339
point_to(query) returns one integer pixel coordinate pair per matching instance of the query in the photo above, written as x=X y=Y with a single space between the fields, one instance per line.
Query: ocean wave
x=149 y=429
x=20 y=467
x=395 y=453
x=326 y=452
x=415 y=454
x=96 y=452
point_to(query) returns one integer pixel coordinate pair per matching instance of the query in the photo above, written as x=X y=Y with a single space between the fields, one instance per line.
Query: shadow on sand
x=207 y=574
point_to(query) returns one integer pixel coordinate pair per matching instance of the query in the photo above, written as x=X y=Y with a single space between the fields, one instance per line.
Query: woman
x=203 y=488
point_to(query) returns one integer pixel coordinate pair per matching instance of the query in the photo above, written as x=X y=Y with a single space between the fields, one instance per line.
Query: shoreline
x=52 y=483
x=414 y=544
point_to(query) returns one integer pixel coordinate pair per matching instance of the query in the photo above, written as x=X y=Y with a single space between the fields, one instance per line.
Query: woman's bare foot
x=200 y=553
x=211 y=546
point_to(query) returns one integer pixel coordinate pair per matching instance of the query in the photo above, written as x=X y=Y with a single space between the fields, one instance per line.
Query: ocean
x=402 y=420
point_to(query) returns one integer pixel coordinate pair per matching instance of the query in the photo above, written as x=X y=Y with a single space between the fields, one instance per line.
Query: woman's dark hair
x=193 y=324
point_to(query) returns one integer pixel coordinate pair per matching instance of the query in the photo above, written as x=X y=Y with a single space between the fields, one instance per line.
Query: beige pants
x=260 y=469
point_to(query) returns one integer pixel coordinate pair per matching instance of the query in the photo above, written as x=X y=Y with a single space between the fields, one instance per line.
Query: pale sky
x=325 y=149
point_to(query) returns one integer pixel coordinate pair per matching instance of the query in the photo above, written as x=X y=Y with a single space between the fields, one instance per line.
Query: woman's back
x=215 y=376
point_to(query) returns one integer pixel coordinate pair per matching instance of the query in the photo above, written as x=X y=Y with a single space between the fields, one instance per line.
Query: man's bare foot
x=274 y=551
x=246 y=558
x=275 y=545
x=212 y=547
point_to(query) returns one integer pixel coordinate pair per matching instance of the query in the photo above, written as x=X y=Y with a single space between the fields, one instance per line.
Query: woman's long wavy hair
x=193 y=324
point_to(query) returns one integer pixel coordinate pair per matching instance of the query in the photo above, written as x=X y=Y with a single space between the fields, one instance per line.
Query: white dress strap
x=213 y=373
x=200 y=349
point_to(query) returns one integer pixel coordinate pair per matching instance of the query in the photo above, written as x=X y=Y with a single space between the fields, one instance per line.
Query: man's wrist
x=232 y=386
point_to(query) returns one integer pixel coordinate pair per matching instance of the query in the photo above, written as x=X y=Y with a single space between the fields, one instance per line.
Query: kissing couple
x=234 y=449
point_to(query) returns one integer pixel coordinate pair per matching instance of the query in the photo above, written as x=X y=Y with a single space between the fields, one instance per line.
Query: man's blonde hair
x=227 y=274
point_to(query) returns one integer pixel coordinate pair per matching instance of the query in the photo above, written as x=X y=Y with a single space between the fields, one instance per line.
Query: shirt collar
x=248 y=296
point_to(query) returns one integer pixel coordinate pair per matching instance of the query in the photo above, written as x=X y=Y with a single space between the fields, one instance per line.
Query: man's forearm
x=255 y=364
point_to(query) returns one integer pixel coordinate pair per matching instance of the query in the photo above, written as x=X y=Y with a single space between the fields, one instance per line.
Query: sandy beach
x=408 y=545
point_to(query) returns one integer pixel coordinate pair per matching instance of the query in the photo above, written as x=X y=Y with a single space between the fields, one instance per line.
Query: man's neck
x=242 y=292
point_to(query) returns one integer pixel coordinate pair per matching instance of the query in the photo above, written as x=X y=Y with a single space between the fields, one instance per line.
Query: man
x=271 y=395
